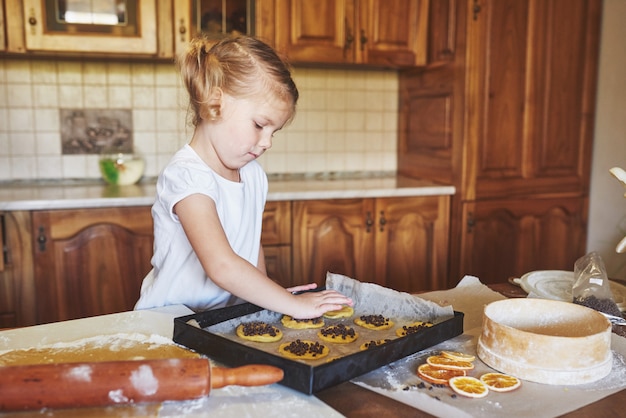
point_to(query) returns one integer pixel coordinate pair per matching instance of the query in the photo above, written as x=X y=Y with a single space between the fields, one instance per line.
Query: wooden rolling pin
x=70 y=385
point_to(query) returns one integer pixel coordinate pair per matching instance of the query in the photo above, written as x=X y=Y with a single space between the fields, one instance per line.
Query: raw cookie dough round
x=413 y=328
x=259 y=332
x=303 y=350
x=292 y=323
x=374 y=343
x=339 y=333
x=375 y=322
x=345 y=312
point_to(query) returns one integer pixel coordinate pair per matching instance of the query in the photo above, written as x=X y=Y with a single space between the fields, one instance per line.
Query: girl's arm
x=198 y=216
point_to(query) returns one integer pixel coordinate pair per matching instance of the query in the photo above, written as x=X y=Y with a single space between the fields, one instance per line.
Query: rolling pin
x=64 y=385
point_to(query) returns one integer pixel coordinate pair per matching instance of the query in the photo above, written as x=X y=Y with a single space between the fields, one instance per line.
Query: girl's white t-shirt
x=177 y=276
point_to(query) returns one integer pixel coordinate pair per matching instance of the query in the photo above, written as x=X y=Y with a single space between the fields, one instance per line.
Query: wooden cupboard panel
x=428 y=132
x=91 y=261
x=566 y=54
x=278 y=264
x=316 y=31
x=17 y=294
x=392 y=32
x=505 y=239
x=441 y=36
x=429 y=122
x=412 y=243
x=333 y=235
x=504 y=88
x=67 y=223
x=100 y=271
x=276 y=223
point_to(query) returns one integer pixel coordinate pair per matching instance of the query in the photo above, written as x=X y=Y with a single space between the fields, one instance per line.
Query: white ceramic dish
x=557 y=285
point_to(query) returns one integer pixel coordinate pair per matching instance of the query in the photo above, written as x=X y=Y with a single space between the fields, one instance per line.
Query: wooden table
x=354 y=401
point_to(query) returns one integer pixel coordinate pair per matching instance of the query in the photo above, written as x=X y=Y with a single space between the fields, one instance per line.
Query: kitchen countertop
x=49 y=194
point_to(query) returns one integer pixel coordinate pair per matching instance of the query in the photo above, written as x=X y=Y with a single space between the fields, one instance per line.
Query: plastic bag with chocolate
x=591 y=285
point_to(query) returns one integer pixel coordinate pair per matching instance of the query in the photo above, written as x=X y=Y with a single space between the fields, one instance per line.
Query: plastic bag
x=591 y=285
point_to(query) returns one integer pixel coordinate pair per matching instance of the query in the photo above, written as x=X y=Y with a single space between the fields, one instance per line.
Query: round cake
x=546 y=341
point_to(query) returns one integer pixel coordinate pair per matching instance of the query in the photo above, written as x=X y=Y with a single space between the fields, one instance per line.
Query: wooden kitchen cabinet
x=17 y=296
x=276 y=241
x=508 y=121
x=399 y=243
x=388 y=33
x=89 y=261
x=511 y=237
x=37 y=28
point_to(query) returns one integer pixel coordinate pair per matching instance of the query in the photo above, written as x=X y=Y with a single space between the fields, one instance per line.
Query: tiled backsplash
x=346 y=121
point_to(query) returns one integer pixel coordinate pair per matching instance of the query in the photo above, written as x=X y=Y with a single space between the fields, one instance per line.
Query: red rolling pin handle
x=71 y=385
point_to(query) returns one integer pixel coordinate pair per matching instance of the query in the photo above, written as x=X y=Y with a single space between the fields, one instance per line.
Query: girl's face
x=245 y=130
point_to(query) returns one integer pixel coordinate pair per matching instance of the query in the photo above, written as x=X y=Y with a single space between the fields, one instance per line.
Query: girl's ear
x=215 y=103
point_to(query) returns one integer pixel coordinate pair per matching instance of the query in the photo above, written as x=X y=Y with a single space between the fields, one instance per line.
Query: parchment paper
x=400 y=382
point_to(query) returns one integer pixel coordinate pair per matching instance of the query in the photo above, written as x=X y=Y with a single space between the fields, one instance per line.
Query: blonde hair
x=240 y=66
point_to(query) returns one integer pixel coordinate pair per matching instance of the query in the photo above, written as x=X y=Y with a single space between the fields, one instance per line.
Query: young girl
x=211 y=195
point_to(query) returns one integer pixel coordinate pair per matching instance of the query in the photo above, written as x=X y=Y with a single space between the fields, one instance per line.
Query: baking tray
x=300 y=376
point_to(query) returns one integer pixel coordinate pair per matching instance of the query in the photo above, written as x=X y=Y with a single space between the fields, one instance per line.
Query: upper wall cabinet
x=214 y=18
x=120 y=27
x=386 y=33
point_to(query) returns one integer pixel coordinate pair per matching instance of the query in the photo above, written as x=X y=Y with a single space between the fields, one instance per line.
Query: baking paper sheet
x=400 y=382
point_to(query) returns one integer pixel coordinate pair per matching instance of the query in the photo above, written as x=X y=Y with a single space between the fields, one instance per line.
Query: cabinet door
x=392 y=32
x=126 y=27
x=316 y=31
x=17 y=291
x=276 y=241
x=335 y=236
x=531 y=96
x=505 y=239
x=412 y=243
x=3 y=44
x=90 y=262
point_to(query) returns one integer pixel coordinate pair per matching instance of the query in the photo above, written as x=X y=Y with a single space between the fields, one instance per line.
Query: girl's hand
x=316 y=304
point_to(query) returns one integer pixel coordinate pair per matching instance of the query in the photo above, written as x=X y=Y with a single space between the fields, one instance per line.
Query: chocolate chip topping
x=259 y=328
x=338 y=331
x=375 y=320
x=415 y=328
x=300 y=348
x=312 y=321
x=373 y=343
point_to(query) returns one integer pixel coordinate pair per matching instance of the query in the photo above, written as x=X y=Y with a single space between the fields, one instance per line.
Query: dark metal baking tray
x=299 y=375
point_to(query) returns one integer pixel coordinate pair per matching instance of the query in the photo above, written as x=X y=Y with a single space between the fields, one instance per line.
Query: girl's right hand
x=315 y=304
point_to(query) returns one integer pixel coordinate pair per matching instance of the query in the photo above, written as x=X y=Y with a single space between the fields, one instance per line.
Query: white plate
x=557 y=285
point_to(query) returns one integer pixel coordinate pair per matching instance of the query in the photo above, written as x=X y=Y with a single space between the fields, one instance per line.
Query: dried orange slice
x=500 y=382
x=456 y=355
x=437 y=375
x=447 y=363
x=469 y=386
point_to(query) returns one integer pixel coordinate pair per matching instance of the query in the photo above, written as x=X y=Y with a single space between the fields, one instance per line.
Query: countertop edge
x=79 y=196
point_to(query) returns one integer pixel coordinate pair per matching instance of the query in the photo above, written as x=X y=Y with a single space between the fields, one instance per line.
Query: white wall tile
x=19 y=95
x=346 y=119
